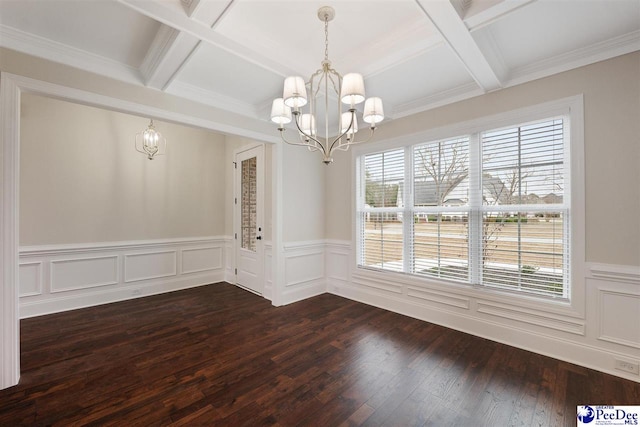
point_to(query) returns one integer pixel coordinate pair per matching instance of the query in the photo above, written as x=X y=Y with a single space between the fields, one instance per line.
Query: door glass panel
x=248 y=204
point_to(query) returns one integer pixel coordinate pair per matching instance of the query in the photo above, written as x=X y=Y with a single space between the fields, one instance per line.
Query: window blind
x=382 y=233
x=489 y=208
x=440 y=183
x=525 y=242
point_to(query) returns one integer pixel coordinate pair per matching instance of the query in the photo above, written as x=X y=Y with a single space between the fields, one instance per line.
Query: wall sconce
x=151 y=142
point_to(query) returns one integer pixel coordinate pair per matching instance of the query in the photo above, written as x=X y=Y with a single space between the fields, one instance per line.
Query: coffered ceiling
x=234 y=54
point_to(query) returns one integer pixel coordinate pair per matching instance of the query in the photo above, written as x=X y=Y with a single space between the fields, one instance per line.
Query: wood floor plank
x=220 y=356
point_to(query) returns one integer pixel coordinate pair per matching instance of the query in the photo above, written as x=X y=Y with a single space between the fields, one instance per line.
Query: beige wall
x=81 y=180
x=338 y=218
x=612 y=150
x=303 y=195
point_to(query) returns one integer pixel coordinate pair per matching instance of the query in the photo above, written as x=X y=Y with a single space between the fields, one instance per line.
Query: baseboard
x=303 y=291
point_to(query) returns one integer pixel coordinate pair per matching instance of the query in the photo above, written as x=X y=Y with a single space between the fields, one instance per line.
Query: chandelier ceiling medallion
x=326 y=88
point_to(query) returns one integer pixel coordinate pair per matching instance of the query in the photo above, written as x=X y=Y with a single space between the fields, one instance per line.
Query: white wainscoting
x=229 y=260
x=268 y=270
x=66 y=277
x=304 y=270
x=606 y=330
x=615 y=301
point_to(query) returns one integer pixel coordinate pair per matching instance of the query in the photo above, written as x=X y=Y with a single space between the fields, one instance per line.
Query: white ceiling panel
x=234 y=54
x=291 y=33
x=219 y=71
x=545 y=29
x=424 y=76
x=101 y=27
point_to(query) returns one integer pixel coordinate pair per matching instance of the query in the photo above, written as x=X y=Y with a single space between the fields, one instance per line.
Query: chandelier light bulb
x=345 y=121
x=150 y=138
x=308 y=124
x=150 y=142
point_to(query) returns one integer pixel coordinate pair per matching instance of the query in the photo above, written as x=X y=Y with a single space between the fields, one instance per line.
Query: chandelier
x=151 y=142
x=326 y=88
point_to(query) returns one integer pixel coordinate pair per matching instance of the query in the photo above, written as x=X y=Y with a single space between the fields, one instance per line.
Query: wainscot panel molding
x=268 y=270
x=56 y=278
x=615 y=301
x=150 y=265
x=304 y=270
x=80 y=273
x=598 y=332
x=623 y=273
x=30 y=278
x=229 y=274
x=337 y=265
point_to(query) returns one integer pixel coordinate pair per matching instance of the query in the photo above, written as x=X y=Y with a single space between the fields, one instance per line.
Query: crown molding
x=211 y=98
x=445 y=97
x=597 y=52
x=41 y=47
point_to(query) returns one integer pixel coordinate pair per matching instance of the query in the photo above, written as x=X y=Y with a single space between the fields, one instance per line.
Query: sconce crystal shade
x=295 y=92
x=151 y=142
x=352 y=92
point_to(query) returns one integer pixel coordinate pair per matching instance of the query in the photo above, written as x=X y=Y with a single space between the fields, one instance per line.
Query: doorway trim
x=260 y=214
x=11 y=87
x=9 y=233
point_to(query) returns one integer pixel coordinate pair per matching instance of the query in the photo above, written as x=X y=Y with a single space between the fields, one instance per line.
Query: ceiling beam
x=445 y=18
x=171 y=49
x=494 y=13
x=159 y=12
x=166 y=55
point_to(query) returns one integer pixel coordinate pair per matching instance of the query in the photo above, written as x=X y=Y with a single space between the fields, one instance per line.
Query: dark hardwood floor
x=220 y=356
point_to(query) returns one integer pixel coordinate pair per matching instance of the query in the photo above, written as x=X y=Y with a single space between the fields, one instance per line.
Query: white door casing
x=249 y=218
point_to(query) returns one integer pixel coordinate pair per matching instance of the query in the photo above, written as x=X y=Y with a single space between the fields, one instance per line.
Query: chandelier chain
x=326 y=38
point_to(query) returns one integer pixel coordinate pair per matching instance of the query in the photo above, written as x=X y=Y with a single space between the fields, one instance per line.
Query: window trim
x=574 y=158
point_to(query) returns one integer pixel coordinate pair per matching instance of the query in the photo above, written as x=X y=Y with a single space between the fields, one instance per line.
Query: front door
x=249 y=248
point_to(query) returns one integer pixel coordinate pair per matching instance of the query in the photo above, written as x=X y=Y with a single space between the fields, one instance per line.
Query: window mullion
x=475 y=234
x=408 y=225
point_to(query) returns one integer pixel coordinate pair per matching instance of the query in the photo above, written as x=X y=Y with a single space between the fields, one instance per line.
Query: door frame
x=260 y=213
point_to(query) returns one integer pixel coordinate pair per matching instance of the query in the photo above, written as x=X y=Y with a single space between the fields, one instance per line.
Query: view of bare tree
x=446 y=164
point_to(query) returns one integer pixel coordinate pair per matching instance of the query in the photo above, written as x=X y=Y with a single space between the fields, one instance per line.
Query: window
x=489 y=208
